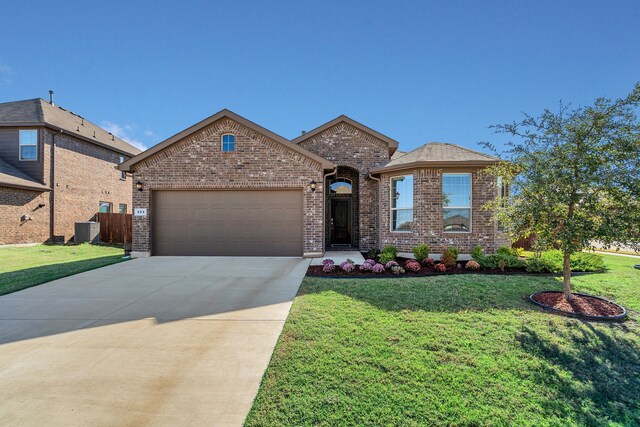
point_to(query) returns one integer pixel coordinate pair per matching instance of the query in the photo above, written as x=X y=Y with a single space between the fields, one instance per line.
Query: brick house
x=56 y=169
x=227 y=186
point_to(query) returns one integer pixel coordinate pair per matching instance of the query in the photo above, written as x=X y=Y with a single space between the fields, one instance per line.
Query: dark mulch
x=579 y=304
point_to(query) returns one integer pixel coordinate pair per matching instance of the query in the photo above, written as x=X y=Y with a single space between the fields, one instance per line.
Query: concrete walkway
x=153 y=341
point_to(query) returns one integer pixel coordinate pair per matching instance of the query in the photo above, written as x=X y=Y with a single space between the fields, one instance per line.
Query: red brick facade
x=258 y=162
x=80 y=174
x=428 y=213
x=15 y=203
x=346 y=145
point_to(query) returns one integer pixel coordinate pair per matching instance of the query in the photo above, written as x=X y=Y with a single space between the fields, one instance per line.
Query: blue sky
x=415 y=71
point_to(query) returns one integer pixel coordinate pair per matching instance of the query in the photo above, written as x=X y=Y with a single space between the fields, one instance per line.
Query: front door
x=340 y=221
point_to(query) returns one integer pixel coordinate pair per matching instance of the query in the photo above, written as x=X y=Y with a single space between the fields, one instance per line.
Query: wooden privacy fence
x=114 y=227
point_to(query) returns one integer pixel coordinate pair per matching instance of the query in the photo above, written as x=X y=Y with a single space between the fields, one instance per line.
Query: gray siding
x=9 y=152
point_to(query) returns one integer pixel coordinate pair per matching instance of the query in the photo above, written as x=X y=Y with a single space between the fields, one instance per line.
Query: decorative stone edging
x=616 y=318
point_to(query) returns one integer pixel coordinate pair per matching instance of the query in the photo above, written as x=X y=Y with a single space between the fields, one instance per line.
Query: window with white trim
x=228 y=143
x=401 y=203
x=28 y=144
x=456 y=202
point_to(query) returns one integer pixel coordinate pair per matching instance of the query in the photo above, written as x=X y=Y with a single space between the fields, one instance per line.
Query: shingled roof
x=435 y=154
x=12 y=177
x=38 y=112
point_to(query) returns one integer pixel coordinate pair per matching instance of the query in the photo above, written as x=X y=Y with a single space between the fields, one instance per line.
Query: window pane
x=341 y=186
x=402 y=220
x=402 y=192
x=28 y=137
x=28 y=152
x=105 y=207
x=457 y=220
x=122 y=208
x=456 y=190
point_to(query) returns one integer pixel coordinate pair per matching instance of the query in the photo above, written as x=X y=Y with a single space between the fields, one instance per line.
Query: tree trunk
x=566 y=276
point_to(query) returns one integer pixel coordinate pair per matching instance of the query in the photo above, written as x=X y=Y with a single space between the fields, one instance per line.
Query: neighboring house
x=56 y=169
x=227 y=186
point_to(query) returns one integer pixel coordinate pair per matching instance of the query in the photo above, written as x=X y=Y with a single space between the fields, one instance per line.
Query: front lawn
x=23 y=267
x=453 y=350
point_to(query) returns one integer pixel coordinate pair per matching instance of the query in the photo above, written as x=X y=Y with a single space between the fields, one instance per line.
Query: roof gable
x=438 y=154
x=127 y=165
x=38 y=112
x=392 y=143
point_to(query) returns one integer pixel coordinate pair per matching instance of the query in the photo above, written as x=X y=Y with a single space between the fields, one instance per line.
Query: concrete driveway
x=154 y=341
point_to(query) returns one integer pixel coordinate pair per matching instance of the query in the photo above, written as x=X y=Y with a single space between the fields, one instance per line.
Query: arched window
x=228 y=143
x=340 y=186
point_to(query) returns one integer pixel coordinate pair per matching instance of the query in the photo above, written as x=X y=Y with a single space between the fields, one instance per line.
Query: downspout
x=324 y=206
x=378 y=216
x=52 y=183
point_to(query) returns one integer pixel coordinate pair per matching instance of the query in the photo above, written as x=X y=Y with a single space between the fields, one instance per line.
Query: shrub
x=502 y=264
x=472 y=265
x=372 y=253
x=441 y=267
x=517 y=251
x=477 y=252
x=327 y=262
x=454 y=250
x=347 y=266
x=390 y=264
x=429 y=262
x=377 y=268
x=412 y=265
x=449 y=258
x=385 y=258
x=390 y=250
x=396 y=269
x=369 y=261
x=421 y=251
x=504 y=250
x=491 y=262
x=366 y=267
x=539 y=265
x=552 y=261
x=328 y=268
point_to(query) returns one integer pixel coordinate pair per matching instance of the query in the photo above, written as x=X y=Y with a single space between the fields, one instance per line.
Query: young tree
x=574 y=177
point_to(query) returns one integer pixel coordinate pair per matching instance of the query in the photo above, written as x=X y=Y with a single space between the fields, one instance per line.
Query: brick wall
x=83 y=176
x=196 y=162
x=346 y=145
x=428 y=214
x=14 y=204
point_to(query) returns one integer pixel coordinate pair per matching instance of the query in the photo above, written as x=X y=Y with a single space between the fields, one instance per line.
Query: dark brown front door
x=341 y=221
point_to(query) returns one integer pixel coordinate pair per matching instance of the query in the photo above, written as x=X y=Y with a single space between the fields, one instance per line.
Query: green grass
x=23 y=267
x=463 y=350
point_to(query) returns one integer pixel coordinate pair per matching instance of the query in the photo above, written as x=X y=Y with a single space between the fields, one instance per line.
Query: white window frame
x=20 y=145
x=222 y=143
x=470 y=207
x=123 y=174
x=391 y=209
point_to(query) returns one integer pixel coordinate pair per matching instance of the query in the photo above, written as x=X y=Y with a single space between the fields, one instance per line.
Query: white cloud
x=5 y=73
x=149 y=133
x=124 y=133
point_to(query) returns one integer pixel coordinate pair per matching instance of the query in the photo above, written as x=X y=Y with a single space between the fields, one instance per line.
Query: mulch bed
x=580 y=304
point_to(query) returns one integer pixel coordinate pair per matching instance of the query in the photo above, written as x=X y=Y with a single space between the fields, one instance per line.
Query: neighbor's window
x=228 y=143
x=340 y=186
x=456 y=202
x=29 y=144
x=123 y=174
x=105 y=207
x=122 y=208
x=401 y=203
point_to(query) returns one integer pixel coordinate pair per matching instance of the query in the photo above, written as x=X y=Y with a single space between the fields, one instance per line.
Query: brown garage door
x=242 y=223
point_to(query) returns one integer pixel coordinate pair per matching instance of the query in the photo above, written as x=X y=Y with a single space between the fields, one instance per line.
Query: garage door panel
x=249 y=223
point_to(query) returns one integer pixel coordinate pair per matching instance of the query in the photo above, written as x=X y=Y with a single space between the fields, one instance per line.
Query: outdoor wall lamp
x=312 y=185
x=139 y=185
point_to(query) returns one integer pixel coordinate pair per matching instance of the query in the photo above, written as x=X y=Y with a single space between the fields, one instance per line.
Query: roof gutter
x=427 y=164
